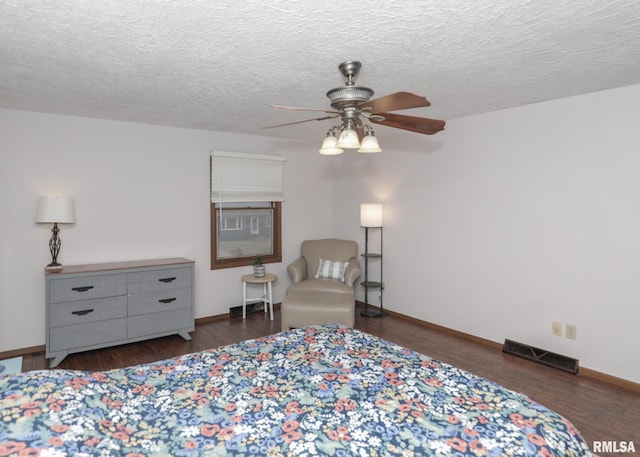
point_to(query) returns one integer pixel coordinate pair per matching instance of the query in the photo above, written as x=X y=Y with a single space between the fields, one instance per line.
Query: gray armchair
x=322 y=300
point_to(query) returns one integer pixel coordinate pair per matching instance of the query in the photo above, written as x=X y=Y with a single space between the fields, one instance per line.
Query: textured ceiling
x=217 y=65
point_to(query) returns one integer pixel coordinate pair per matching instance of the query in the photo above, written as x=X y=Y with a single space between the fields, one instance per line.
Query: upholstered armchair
x=304 y=269
x=323 y=279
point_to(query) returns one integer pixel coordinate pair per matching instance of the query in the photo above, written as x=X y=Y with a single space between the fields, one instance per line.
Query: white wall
x=141 y=192
x=510 y=220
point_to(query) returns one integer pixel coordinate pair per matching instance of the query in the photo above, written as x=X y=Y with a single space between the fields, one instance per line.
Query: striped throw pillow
x=331 y=269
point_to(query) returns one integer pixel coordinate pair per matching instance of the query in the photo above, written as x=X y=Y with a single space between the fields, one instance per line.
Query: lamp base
x=54 y=247
x=373 y=313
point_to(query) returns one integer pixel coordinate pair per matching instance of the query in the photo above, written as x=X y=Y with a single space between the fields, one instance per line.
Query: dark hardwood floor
x=601 y=411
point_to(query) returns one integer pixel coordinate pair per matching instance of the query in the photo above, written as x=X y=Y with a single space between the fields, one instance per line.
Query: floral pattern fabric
x=323 y=390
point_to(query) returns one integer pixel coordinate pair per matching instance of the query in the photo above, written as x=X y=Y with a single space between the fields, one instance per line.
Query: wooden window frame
x=275 y=257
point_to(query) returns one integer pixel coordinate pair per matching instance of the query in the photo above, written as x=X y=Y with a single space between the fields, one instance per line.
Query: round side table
x=267 y=295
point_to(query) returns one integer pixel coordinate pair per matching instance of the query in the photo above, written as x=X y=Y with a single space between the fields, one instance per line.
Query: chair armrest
x=298 y=270
x=353 y=272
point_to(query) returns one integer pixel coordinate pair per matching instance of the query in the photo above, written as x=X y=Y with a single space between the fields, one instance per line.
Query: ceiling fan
x=353 y=104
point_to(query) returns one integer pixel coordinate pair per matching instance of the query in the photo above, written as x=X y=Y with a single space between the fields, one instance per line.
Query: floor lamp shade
x=371 y=215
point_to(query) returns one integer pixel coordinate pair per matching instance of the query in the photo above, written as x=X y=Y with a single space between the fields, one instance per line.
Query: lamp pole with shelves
x=371 y=217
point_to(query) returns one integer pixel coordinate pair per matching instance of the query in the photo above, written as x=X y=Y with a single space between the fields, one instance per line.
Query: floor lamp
x=371 y=217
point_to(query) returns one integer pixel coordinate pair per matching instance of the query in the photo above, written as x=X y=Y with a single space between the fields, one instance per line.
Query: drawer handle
x=82 y=289
x=167 y=279
x=167 y=300
x=82 y=312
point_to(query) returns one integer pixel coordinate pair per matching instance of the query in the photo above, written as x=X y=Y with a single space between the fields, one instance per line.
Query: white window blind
x=241 y=177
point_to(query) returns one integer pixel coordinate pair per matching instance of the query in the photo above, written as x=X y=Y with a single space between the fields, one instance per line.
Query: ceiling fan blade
x=411 y=123
x=300 y=122
x=294 y=108
x=395 y=102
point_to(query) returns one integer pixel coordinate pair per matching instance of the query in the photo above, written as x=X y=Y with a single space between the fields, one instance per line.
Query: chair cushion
x=320 y=285
x=313 y=308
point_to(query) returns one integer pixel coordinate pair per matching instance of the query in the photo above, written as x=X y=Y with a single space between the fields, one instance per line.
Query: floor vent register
x=541 y=356
x=236 y=311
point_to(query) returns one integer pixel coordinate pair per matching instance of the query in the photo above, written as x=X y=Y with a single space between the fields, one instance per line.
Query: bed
x=320 y=390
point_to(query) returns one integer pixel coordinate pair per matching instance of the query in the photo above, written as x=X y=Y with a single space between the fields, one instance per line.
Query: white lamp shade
x=329 y=146
x=348 y=139
x=59 y=210
x=369 y=144
x=371 y=215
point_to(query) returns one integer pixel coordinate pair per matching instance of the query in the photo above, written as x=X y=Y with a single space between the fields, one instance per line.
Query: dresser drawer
x=87 y=287
x=171 y=278
x=89 y=334
x=162 y=322
x=161 y=300
x=83 y=311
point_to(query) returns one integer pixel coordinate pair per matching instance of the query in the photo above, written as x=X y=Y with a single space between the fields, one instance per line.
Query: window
x=246 y=208
x=239 y=233
x=255 y=225
x=230 y=222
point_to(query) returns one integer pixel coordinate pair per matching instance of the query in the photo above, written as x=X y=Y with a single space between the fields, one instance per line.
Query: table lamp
x=55 y=210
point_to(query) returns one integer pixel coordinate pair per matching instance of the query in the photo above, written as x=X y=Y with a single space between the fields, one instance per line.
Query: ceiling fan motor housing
x=349 y=96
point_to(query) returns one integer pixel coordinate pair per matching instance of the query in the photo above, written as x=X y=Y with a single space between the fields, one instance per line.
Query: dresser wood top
x=72 y=269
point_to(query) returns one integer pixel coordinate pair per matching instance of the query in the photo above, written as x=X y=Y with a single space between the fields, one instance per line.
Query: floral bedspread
x=323 y=390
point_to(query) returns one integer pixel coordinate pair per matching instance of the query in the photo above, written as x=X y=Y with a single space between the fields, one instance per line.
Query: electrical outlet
x=571 y=331
x=556 y=328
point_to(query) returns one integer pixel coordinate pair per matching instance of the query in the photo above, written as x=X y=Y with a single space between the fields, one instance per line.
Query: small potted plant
x=258 y=267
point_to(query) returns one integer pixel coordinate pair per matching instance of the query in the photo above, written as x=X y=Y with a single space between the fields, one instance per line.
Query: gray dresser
x=100 y=305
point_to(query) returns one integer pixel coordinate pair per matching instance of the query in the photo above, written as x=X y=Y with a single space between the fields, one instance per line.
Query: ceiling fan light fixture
x=330 y=144
x=369 y=143
x=348 y=137
x=353 y=104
